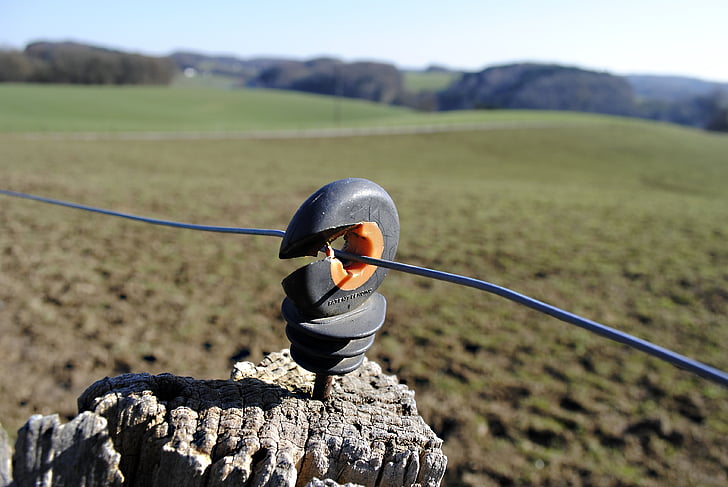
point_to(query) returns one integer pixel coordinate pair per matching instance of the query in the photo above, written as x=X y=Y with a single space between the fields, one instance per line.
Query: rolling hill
x=616 y=219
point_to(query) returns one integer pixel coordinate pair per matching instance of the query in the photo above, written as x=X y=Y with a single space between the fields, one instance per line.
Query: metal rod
x=322 y=387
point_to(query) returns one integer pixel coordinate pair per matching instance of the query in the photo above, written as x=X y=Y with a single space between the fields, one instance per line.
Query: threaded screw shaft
x=322 y=387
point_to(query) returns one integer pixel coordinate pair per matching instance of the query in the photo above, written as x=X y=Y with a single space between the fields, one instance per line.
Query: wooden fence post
x=259 y=428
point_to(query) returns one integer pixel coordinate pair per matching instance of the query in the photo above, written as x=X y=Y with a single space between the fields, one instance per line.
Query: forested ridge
x=539 y=86
x=71 y=62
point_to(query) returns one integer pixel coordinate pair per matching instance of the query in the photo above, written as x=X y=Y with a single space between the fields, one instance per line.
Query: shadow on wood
x=258 y=428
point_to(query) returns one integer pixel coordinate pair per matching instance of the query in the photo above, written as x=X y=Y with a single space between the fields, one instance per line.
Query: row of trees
x=377 y=82
x=709 y=111
x=542 y=87
x=552 y=87
x=516 y=86
x=70 y=62
x=524 y=86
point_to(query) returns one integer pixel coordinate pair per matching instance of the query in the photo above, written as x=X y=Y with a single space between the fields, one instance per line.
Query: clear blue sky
x=620 y=36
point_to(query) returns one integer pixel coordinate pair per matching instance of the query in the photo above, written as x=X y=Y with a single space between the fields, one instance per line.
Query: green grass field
x=206 y=81
x=78 y=108
x=67 y=108
x=621 y=221
x=419 y=81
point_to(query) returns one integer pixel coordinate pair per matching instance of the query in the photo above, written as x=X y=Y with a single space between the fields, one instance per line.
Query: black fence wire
x=676 y=359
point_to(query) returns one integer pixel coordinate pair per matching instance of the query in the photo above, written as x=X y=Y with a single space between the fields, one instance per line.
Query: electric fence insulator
x=332 y=308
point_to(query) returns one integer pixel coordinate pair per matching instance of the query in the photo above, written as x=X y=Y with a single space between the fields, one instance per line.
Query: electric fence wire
x=680 y=361
x=153 y=221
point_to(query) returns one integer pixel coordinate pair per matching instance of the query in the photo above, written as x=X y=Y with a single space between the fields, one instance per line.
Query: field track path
x=317 y=133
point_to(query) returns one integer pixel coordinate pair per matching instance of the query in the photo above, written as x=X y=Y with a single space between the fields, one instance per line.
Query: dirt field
x=607 y=221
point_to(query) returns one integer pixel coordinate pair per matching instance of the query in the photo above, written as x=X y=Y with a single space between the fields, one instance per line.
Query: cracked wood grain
x=259 y=428
x=79 y=453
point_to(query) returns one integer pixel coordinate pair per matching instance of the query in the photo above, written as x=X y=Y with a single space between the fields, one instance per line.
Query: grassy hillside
x=620 y=221
x=202 y=81
x=417 y=81
x=66 y=108
x=28 y=107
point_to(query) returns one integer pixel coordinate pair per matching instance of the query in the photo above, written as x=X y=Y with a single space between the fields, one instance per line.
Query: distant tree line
x=552 y=87
x=708 y=111
x=376 y=82
x=517 y=86
x=718 y=121
x=243 y=70
x=540 y=87
x=536 y=86
x=69 y=62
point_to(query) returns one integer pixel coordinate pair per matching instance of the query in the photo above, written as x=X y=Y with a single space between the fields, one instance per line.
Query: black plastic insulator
x=315 y=294
x=331 y=324
x=333 y=345
x=334 y=208
x=327 y=214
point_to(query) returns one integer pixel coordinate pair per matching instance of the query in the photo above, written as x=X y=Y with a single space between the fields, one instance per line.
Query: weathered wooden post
x=262 y=427
x=259 y=428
